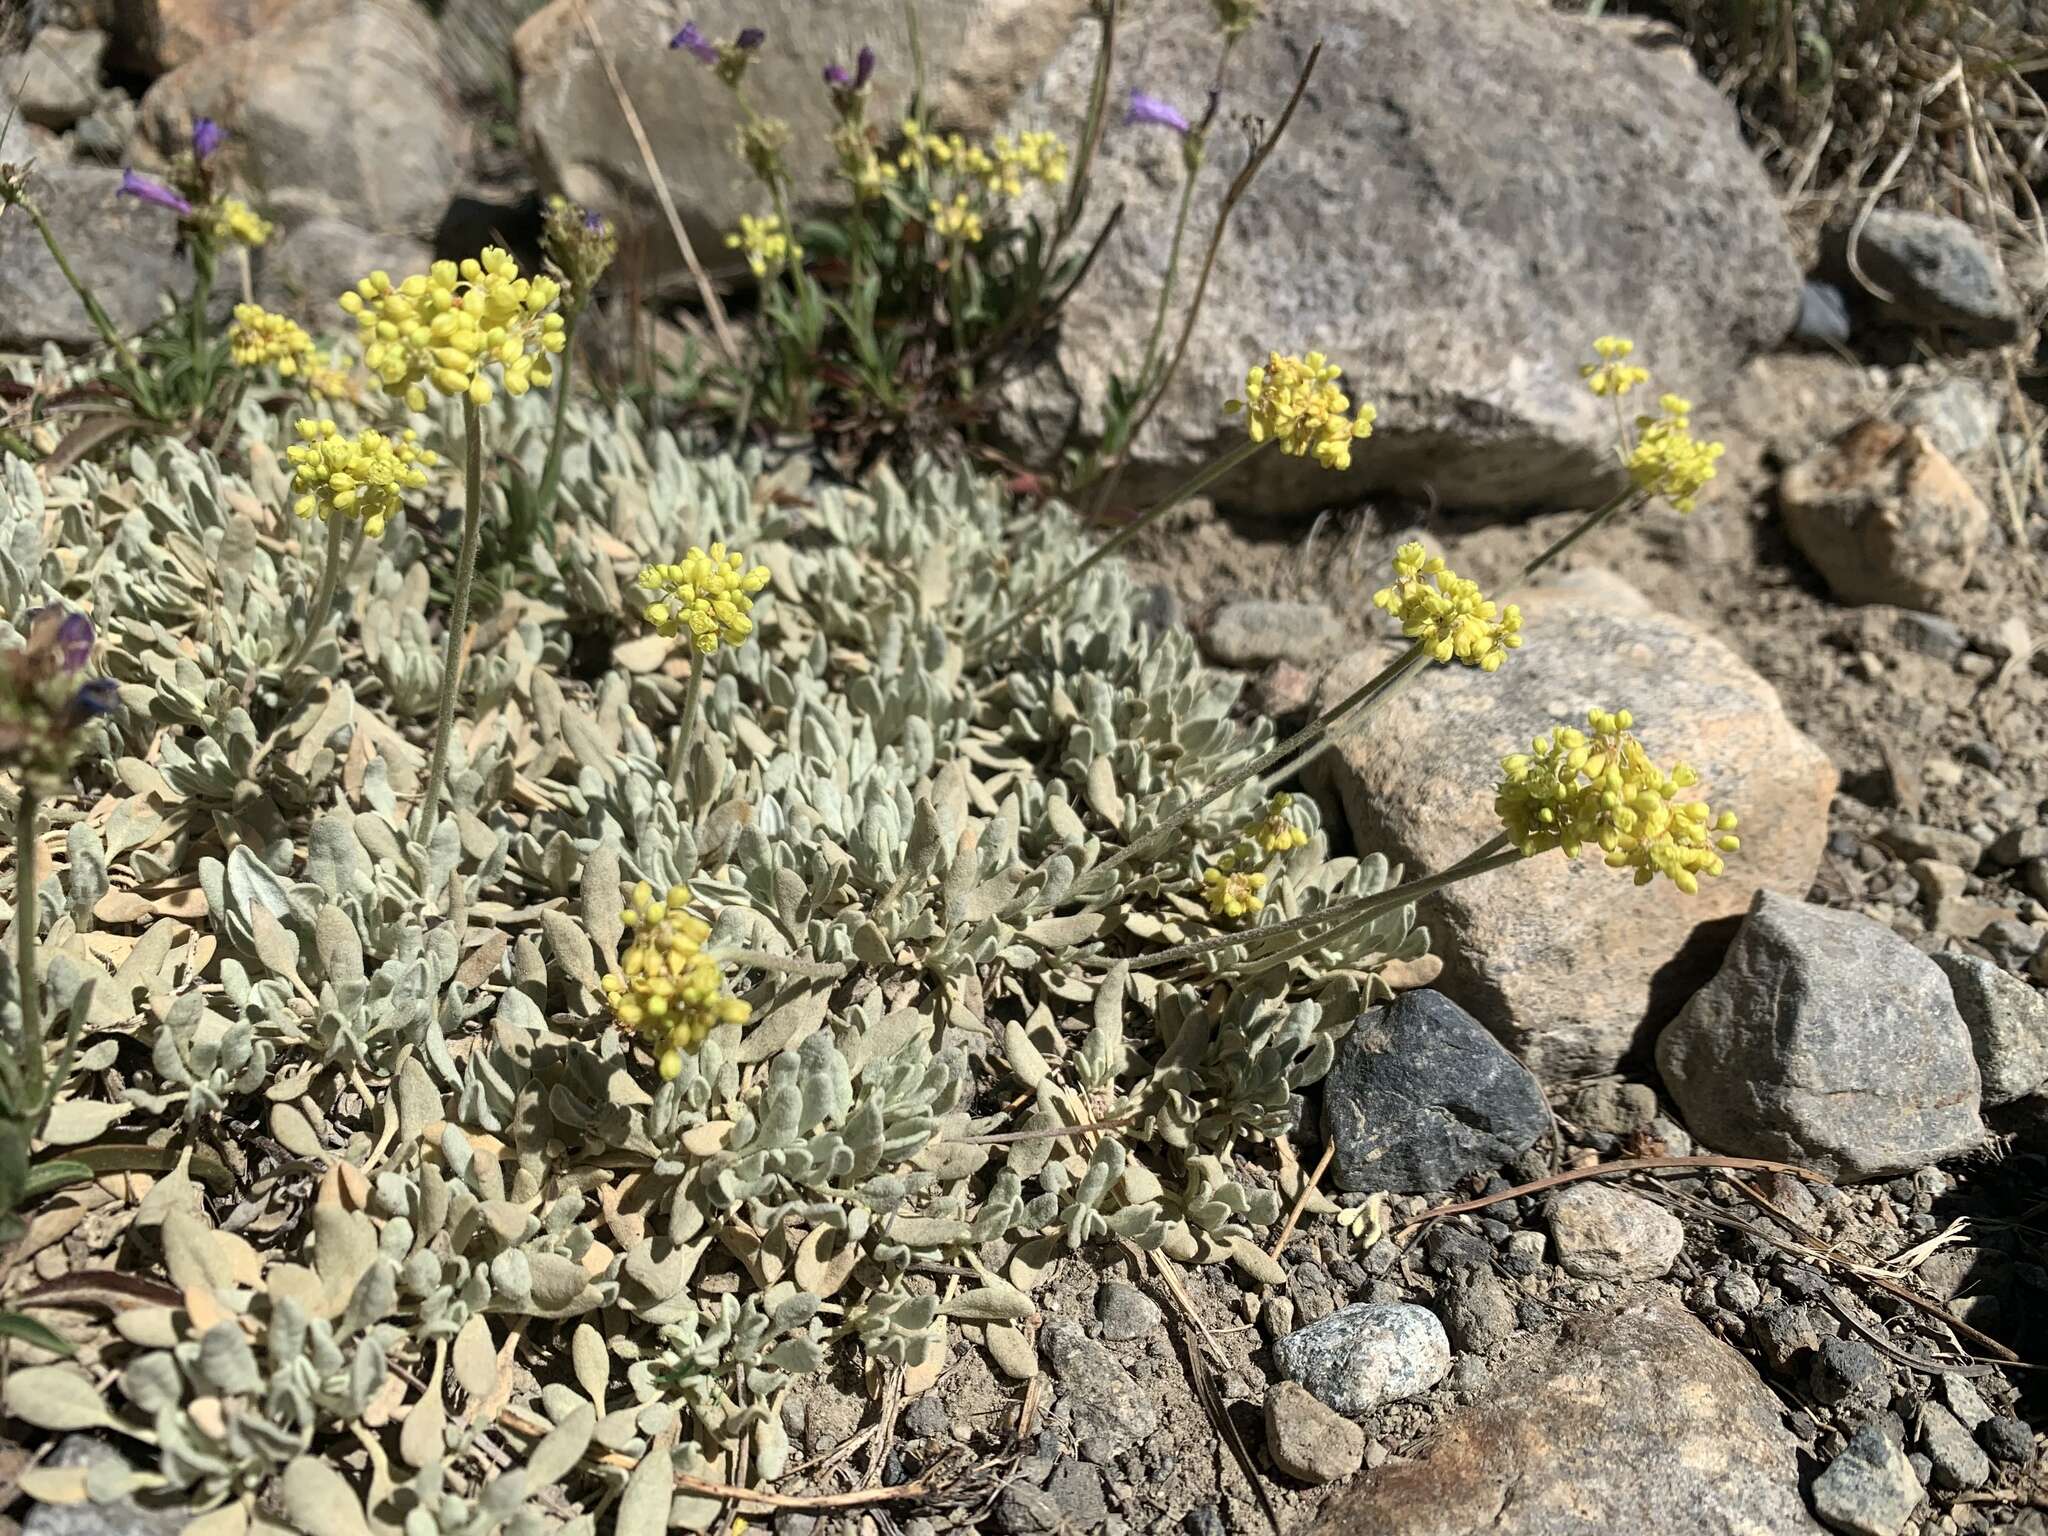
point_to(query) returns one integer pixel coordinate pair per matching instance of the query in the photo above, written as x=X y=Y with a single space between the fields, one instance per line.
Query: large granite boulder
x=977 y=54
x=1568 y=963
x=1471 y=192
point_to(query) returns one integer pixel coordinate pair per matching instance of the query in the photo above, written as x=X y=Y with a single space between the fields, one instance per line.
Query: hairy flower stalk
x=452 y=328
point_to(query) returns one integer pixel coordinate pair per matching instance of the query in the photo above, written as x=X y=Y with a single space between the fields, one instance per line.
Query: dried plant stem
x=1180 y=493
x=714 y=310
x=101 y=321
x=316 y=616
x=1091 y=126
x=456 y=651
x=1607 y=1171
x=1308 y=1189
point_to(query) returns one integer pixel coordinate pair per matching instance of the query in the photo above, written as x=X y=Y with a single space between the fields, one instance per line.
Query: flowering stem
x=687 y=737
x=316 y=616
x=1180 y=228
x=99 y=317
x=27 y=915
x=1593 y=522
x=456 y=651
x=1378 y=686
x=1180 y=493
x=1091 y=128
x=1493 y=854
x=551 y=472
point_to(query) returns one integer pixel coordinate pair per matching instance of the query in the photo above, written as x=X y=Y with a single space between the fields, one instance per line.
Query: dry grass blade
x=721 y=326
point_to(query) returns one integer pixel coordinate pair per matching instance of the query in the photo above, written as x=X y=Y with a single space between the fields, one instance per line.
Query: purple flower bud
x=864 y=68
x=92 y=700
x=593 y=220
x=749 y=39
x=837 y=77
x=207 y=136
x=1150 y=109
x=150 y=190
x=695 y=42
x=74 y=642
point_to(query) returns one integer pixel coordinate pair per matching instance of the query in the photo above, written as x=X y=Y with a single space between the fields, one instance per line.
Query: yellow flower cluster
x=1452 y=618
x=258 y=337
x=710 y=596
x=1295 y=402
x=1231 y=892
x=1599 y=786
x=956 y=220
x=667 y=990
x=1612 y=375
x=362 y=476
x=1003 y=168
x=764 y=243
x=450 y=326
x=1276 y=831
x=1667 y=459
x=233 y=219
x=332 y=376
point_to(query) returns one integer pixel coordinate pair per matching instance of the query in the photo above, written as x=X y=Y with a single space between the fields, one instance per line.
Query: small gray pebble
x=2006 y=1439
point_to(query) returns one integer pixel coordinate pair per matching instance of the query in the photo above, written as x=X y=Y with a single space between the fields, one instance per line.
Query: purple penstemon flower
x=863 y=71
x=150 y=190
x=207 y=136
x=1152 y=110
x=749 y=39
x=694 y=41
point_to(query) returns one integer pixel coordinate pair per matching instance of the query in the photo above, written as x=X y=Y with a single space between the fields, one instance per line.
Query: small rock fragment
x=1868 y=1490
x=2007 y=1439
x=1959 y=1464
x=1602 y=1233
x=1251 y=634
x=2008 y=1024
x=1125 y=1312
x=1308 y=1440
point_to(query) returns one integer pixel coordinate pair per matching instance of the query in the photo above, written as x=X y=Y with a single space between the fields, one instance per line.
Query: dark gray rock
x=2008 y=1023
x=1469 y=295
x=1639 y=1421
x=1308 y=1440
x=1959 y=1465
x=1868 y=1490
x=2007 y=1439
x=1937 y=272
x=1783 y=1335
x=120 y=247
x=1603 y=1233
x=1849 y=1371
x=1125 y=1312
x=1825 y=1039
x=1253 y=633
x=1366 y=1354
x=1525 y=1251
x=122 y=1517
x=1420 y=1096
x=1076 y=1488
x=1027 y=1511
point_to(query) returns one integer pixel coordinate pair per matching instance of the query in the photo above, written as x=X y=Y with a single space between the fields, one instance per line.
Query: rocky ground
x=1509 y=1304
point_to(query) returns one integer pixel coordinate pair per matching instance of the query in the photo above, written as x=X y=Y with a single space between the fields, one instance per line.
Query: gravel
x=1308 y=1440
x=1868 y=1490
x=1603 y=1233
